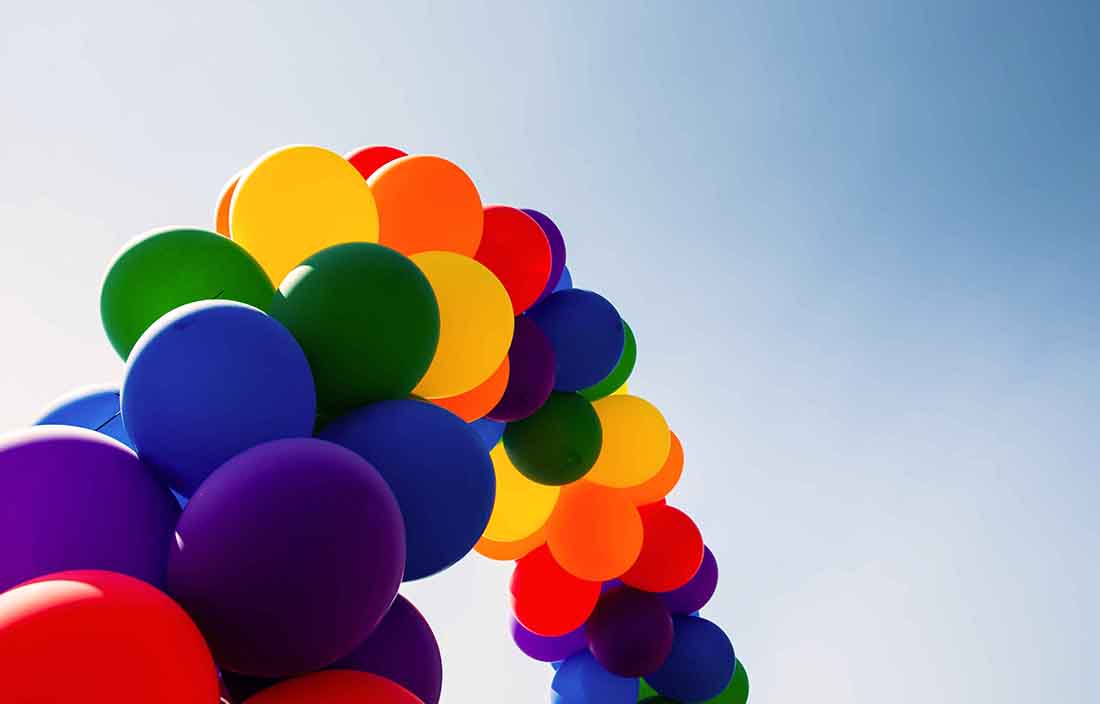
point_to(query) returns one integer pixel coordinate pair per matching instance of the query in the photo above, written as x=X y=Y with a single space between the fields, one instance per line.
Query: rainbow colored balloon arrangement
x=237 y=521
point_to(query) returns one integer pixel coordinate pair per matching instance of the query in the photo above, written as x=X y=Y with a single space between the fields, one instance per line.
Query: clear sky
x=858 y=246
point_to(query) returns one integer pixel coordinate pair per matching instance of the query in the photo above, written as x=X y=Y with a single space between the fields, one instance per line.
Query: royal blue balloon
x=586 y=333
x=210 y=380
x=439 y=471
x=565 y=282
x=581 y=680
x=93 y=407
x=489 y=430
x=700 y=664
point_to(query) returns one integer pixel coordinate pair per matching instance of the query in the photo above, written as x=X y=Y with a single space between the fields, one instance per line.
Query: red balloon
x=672 y=550
x=547 y=600
x=515 y=248
x=367 y=160
x=336 y=687
x=98 y=637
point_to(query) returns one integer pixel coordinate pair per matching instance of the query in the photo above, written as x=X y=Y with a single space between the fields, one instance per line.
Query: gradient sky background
x=858 y=246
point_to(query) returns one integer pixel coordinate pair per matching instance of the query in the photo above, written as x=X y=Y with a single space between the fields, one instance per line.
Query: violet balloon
x=557 y=250
x=630 y=632
x=548 y=649
x=697 y=592
x=531 y=378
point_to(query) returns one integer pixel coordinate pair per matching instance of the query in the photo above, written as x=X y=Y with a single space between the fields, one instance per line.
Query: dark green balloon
x=367 y=319
x=618 y=376
x=163 y=270
x=559 y=443
x=645 y=691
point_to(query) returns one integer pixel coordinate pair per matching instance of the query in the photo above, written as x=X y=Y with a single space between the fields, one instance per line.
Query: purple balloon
x=630 y=632
x=548 y=649
x=531 y=378
x=586 y=334
x=557 y=250
x=288 y=556
x=75 y=499
x=697 y=592
x=403 y=649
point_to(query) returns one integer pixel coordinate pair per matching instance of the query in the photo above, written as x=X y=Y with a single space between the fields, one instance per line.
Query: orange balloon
x=478 y=401
x=595 y=532
x=515 y=550
x=336 y=687
x=427 y=203
x=658 y=487
x=671 y=551
x=221 y=215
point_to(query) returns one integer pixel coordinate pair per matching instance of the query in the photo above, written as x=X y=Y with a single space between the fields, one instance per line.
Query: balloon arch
x=424 y=381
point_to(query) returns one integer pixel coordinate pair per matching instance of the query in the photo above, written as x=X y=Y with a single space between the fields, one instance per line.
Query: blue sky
x=857 y=245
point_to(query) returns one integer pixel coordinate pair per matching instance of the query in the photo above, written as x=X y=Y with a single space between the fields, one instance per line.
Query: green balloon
x=165 y=269
x=618 y=376
x=367 y=319
x=559 y=443
x=645 y=691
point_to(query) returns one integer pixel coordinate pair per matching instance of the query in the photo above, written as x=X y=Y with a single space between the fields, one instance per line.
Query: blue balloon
x=489 y=430
x=581 y=680
x=701 y=662
x=565 y=282
x=210 y=380
x=437 y=467
x=93 y=407
x=586 y=333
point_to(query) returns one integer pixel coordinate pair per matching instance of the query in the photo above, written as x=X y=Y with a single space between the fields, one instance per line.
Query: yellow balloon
x=296 y=201
x=521 y=507
x=636 y=440
x=475 y=323
x=621 y=391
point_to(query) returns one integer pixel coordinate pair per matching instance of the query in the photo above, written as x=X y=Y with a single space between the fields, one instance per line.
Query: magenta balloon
x=630 y=632
x=697 y=592
x=548 y=649
x=531 y=378
x=557 y=250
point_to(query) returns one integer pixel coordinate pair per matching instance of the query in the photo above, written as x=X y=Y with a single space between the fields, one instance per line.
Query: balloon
x=701 y=662
x=93 y=407
x=481 y=399
x=402 y=649
x=367 y=320
x=737 y=691
x=659 y=485
x=490 y=432
x=515 y=249
x=558 y=444
x=336 y=687
x=296 y=201
x=645 y=691
x=241 y=687
x=211 y=379
x=630 y=632
x=427 y=203
x=288 y=556
x=586 y=334
x=437 y=468
x=565 y=282
x=636 y=441
x=531 y=375
x=672 y=551
x=165 y=269
x=546 y=599
x=76 y=499
x=658 y=700
x=697 y=592
x=475 y=323
x=99 y=637
x=557 y=251
x=225 y=198
x=595 y=533
x=514 y=550
x=619 y=374
x=520 y=506
x=581 y=680
x=367 y=160
x=548 y=649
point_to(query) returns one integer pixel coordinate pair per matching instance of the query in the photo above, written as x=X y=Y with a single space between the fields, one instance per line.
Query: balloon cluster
x=424 y=380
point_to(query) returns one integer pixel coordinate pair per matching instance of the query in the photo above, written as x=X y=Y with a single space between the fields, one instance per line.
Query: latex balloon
x=736 y=692
x=558 y=444
x=427 y=203
x=296 y=201
x=367 y=320
x=565 y=282
x=581 y=680
x=402 y=649
x=241 y=687
x=336 y=687
x=475 y=323
x=645 y=691
x=209 y=380
x=586 y=334
x=622 y=390
x=531 y=373
x=437 y=468
x=595 y=533
x=165 y=269
x=701 y=662
x=548 y=649
x=99 y=637
x=288 y=556
x=658 y=486
x=694 y=595
x=225 y=198
x=516 y=250
x=672 y=551
x=619 y=374
x=481 y=399
x=367 y=160
x=76 y=499
x=557 y=251
x=546 y=599
x=636 y=442
x=520 y=506
x=514 y=550
x=96 y=408
x=630 y=632
x=658 y=700
x=490 y=432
